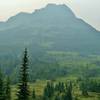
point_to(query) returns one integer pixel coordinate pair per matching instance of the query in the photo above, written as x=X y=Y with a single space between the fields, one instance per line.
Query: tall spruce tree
x=23 y=93
x=83 y=88
x=68 y=93
x=7 y=89
x=57 y=97
x=48 y=91
x=33 y=95
x=2 y=87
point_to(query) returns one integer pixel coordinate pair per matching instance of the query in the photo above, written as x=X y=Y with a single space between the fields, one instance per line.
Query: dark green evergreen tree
x=23 y=93
x=8 y=89
x=33 y=95
x=57 y=97
x=60 y=87
x=83 y=88
x=75 y=98
x=68 y=93
x=49 y=90
x=2 y=87
x=70 y=86
x=45 y=95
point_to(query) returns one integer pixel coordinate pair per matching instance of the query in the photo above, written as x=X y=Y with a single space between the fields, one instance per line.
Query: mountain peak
x=58 y=6
x=55 y=10
x=55 y=5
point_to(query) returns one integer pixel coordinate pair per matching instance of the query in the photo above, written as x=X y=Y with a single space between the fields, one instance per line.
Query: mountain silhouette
x=53 y=28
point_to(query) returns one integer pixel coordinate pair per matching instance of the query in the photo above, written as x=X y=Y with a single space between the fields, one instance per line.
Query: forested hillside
x=83 y=87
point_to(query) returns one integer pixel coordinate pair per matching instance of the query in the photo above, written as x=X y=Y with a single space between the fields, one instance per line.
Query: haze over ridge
x=86 y=9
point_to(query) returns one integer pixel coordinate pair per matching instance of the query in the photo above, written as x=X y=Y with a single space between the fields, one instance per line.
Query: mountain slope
x=53 y=28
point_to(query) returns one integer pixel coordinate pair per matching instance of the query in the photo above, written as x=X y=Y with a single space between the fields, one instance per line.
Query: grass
x=39 y=85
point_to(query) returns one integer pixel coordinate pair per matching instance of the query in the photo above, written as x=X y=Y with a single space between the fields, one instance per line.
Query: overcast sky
x=89 y=10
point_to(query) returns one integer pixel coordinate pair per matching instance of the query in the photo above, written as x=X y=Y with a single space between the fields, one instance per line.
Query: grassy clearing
x=40 y=84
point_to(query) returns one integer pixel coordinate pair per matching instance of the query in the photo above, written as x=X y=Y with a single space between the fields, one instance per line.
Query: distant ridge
x=53 y=28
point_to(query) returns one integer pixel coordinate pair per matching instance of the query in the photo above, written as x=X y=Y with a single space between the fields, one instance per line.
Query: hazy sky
x=89 y=10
